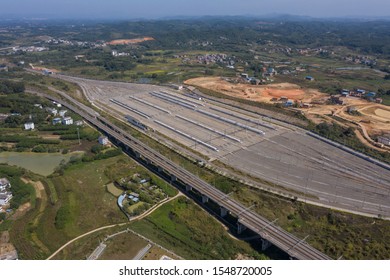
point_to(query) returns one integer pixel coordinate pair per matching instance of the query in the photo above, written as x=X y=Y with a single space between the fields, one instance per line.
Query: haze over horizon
x=152 y=9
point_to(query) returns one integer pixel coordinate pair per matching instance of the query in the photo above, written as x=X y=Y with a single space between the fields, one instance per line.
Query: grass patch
x=51 y=190
x=184 y=228
x=332 y=232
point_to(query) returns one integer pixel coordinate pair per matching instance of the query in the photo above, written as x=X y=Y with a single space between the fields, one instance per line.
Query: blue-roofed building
x=289 y=103
x=361 y=91
x=56 y=121
x=309 y=78
x=370 y=94
x=135 y=199
x=120 y=200
x=345 y=92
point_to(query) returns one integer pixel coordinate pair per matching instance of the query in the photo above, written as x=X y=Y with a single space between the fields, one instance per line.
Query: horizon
x=137 y=10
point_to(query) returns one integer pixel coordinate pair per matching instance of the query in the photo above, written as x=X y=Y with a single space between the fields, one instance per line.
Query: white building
x=79 y=123
x=5 y=198
x=62 y=113
x=29 y=126
x=52 y=111
x=67 y=121
x=4 y=184
x=103 y=140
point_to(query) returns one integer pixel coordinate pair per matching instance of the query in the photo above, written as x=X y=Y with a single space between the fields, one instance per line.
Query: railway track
x=287 y=242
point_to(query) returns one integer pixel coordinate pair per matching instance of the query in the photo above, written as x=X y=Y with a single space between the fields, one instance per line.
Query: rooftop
x=4 y=181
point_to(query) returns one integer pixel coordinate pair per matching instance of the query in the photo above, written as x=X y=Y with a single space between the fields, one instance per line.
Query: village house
x=4 y=68
x=103 y=140
x=309 y=78
x=345 y=92
x=79 y=123
x=29 y=126
x=4 y=184
x=385 y=139
x=5 y=198
x=67 y=121
x=379 y=100
x=62 y=113
x=52 y=111
x=56 y=121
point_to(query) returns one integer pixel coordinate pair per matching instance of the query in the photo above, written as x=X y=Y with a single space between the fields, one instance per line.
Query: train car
x=136 y=122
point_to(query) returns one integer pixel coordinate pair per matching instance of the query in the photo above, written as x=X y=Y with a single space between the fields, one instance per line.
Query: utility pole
x=78 y=135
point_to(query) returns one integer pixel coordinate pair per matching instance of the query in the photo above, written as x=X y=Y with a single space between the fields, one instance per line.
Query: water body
x=40 y=163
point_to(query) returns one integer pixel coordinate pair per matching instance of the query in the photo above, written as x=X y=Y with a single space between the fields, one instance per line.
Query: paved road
x=141 y=254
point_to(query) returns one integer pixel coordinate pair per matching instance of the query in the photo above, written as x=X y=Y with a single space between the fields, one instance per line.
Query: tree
x=14 y=120
x=8 y=87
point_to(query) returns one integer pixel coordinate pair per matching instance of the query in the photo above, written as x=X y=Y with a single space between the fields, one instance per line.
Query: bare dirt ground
x=51 y=137
x=374 y=117
x=130 y=41
x=38 y=186
x=43 y=68
x=21 y=210
x=261 y=93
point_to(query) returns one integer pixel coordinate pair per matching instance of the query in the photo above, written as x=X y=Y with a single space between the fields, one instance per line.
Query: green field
x=111 y=188
x=84 y=201
x=332 y=232
x=75 y=202
x=189 y=231
x=80 y=203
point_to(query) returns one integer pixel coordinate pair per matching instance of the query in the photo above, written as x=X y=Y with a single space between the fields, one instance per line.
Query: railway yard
x=256 y=145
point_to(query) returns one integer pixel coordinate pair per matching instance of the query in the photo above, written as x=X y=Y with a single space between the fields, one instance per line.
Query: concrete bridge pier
x=137 y=155
x=240 y=228
x=188 y=188
x=159 y=169
x=173 y=178
x=223 y=212
x=148 y=161
x=265 y=244
x=205 y=198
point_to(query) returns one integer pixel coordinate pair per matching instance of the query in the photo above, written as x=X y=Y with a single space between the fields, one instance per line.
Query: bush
x=62 y=217
x=97 y=148
x=9 y=87
x=39 y=149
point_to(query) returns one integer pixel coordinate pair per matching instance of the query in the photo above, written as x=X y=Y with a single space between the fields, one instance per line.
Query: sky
x=132 y=9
